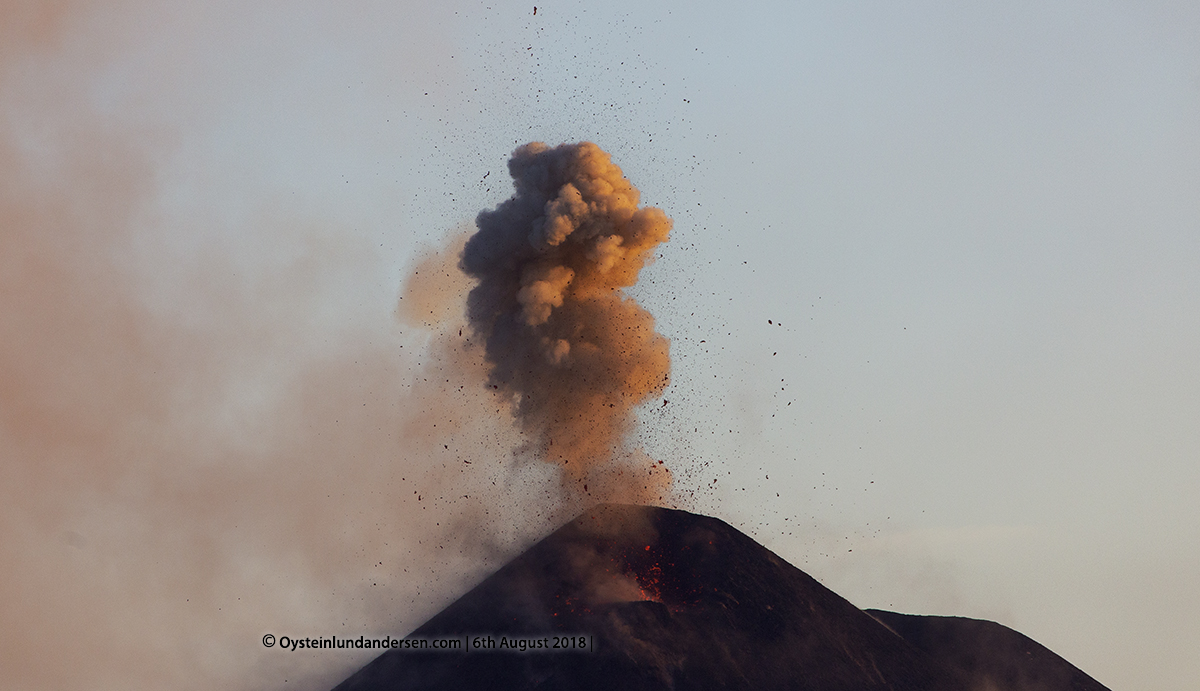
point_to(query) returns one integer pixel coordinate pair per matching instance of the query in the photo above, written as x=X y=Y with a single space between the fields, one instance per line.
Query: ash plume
x=572 y=353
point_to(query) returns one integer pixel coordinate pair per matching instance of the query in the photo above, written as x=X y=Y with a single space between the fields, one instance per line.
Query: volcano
x=666 y=599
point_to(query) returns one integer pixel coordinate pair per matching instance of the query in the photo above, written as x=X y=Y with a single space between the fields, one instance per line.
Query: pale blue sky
x=974 y=230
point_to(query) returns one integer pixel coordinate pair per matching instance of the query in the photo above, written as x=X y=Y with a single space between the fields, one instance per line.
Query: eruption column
x=573 y=353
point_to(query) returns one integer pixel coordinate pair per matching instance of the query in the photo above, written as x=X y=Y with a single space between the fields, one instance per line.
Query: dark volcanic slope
x=991 y=655
x=679 y=601
x=675 y=601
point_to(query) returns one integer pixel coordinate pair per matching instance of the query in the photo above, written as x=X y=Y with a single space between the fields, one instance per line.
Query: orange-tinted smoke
x=191 y=453
x=573 y=352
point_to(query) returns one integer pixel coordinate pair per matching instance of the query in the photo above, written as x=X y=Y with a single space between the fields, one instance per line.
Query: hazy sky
x=931 y=293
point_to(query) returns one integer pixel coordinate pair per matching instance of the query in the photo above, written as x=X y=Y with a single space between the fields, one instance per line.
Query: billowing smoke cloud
x=571 y=351
x=209 y=431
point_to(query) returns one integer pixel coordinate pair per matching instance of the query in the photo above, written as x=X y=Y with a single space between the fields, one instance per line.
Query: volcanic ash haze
x=573 y=354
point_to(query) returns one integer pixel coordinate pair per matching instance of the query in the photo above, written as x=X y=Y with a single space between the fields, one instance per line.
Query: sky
x=930 y=292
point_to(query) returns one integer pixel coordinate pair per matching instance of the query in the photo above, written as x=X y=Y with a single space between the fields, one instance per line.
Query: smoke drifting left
x=196 y=447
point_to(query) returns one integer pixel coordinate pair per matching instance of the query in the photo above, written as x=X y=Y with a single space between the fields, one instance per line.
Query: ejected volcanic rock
x=671 y=600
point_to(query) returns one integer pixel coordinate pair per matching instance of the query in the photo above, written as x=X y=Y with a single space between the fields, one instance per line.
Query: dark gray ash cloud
x=574 y=354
